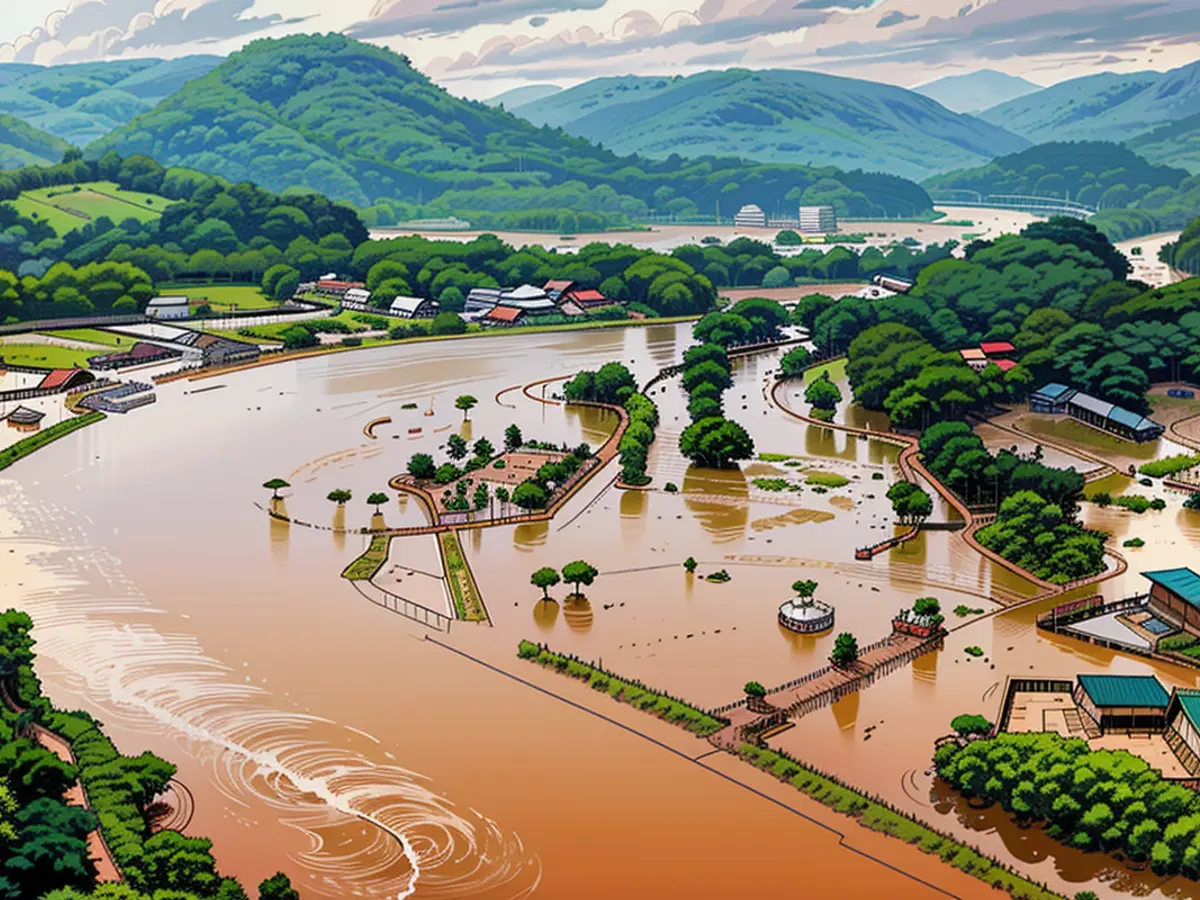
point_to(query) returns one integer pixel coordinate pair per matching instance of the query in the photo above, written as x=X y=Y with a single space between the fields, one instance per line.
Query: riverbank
x=46 y=436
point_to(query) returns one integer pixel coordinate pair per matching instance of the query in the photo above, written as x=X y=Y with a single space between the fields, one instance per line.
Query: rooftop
x=1005 y=365
x=23 y=415
x=990 y=347
x=169 y=301
x=1124 y=690
x=504 y=314
x=1190 y=702
x=1182 y=581
x=972 y=353
x=1052 y=391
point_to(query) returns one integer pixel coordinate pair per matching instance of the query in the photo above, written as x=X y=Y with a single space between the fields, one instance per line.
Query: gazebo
x=805 y=615
x=25 y=419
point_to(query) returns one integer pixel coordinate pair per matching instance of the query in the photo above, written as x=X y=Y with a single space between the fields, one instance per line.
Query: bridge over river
x=1039 y=206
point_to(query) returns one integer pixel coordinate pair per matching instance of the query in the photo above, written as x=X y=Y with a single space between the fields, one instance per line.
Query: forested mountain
x=80 y=103
x=1105 y=107
x=23 y=145
x=1096 y=173
x=976 y=91
x=774 y=116
x=1174 y=144
x=522 y=95
x=356 y=122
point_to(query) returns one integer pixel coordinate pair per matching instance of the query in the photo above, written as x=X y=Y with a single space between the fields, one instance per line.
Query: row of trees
x=711 y=440
x=1108 y=800
x=44 y=841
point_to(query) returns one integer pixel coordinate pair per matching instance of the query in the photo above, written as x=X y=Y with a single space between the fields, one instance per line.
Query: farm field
x=90 y=336
x=45 y=356
x=222 y=297
x=67 y=207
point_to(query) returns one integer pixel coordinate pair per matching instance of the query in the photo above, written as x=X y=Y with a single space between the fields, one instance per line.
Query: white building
x=750 y=216
x=528 y=298
x=168 y=308
x=413 y=308
x=358 y=299
x=481 y=300
x=818 y=220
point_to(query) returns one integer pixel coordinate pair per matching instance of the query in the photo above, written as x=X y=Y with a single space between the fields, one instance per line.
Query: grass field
x=64 y=208
x=92 y=336
x=468 y=605
x=45 y=356
x=222 y=297
x=372 y=560
x=836 y=370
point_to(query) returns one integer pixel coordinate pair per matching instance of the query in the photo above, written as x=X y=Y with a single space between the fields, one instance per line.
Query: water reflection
x=634 y=505
x=726 y=515
x=529 y=535
x=280 y=530
x=820 y=441
x=467 y=430
x=925 y=667
x=577 y=611
x=377 y=522
x=545 y=614
x=845 y=712
x=339 y=527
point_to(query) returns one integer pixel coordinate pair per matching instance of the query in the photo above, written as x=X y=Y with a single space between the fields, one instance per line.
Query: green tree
x=421 y=465
x=502 y=494
x=275 y=485
x=339 y=496
x=483 y=449
x=716 y=443
x=377 y=499
x=447 y=323
x=755 y=690
x=481 y=496
x=690 y=565
x=795 y=361
x=545 y=578
x=823 y=394
x=513 y=439
x=804 y=589
x=926 y=606
x=971 y=725
x=845 y=650
x=466 y=403
x=530 y=495
x=277 y=887
x=579 y=573
x=456 y=447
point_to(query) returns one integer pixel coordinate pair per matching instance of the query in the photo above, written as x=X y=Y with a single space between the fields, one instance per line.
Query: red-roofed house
x=503 y=316
x=993 y=349
x=338 y=288
x=555 y=289
x=1004 y=364
x=65 y=379
x=588 y=299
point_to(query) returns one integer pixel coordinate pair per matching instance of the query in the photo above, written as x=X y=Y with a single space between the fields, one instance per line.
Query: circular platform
x=806 y=616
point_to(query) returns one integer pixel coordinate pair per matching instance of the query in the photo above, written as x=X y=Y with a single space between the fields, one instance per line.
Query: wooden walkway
x=822 y=687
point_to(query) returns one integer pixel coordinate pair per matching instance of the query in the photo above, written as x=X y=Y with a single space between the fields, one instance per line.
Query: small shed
x=168 y=308
x=65 y=379
x=1123 y=703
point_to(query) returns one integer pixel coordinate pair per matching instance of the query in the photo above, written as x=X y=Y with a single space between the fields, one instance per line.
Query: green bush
x=1170 y=465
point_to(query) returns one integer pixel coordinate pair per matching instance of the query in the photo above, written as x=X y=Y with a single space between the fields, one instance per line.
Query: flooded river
x=333 y=739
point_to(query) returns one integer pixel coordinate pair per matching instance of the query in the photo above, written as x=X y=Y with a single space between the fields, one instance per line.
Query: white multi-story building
x=750 y=216
x=817 y=220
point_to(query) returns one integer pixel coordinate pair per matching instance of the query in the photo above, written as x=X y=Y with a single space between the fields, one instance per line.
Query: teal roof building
x=1123 y=703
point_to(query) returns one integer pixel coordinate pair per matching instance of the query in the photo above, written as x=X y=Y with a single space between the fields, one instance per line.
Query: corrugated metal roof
x=1189 y=701
x=1122 y=416
x=1125 y=690
x=1092 y=404
x=1051 y=391
x=1182 y=581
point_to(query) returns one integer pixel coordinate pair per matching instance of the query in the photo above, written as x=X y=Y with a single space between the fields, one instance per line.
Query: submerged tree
x=275 y=485
x=377 y=500
x=466 y=403
x=513 y=439
x=845 y=650
x=545 y=578
x=804 y=589
x=579 y=573
x=340 y=496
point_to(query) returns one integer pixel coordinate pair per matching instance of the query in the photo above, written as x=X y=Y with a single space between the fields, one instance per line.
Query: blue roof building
x=1175 y=596
x=1057 y=399
x=1123 y=702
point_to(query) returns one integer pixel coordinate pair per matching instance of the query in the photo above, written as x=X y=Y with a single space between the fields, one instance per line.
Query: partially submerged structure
x=1060 y=399
x=1123 y=703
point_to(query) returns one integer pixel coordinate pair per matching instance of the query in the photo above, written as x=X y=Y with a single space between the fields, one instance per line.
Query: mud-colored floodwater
x=328 y=737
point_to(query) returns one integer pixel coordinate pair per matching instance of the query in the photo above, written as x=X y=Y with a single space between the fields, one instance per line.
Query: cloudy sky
x=481 y=47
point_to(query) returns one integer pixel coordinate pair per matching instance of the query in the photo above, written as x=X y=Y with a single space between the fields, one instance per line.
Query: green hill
x=356 y=122
x=775 y=116
x=23 y=145
x=1093 y=172
x=1104 y=107
x=1174 y=144
x=82 y=102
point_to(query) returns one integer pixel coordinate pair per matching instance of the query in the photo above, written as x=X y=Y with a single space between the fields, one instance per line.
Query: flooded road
x=328 y=737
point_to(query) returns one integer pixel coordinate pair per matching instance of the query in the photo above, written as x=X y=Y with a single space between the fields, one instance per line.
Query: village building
x=413 y=308
x=1059 y=399
x=997 y=349
x=25 y=419
x=482 y=299
x=975 y=358
x=1183 y=728
x=1175 y=596
x=503 y=316
x=1122 y=703
x=333 y=288
x=528 y=298
x=140 y=353
x=894 y=283
x=168 y=308
x=65 y=379
x=555 y=289
x=358 y=299
x=589 y=299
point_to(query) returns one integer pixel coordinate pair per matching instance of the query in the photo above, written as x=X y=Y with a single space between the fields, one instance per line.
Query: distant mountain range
x=1104 y=107
x=522 y=95
x=774 y=116
x=1174 y=144
x=356 y=122
x=976 y=91
x=81 y=103
x=23 y=145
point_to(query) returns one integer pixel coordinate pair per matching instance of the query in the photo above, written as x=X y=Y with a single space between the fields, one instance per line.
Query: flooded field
x=384 y=760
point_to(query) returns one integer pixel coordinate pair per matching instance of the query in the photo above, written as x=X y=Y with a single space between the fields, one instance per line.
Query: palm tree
x=466 y=403
x=275 y=485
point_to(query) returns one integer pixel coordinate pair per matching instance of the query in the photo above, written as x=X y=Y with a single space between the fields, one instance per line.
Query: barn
x=1122 y=703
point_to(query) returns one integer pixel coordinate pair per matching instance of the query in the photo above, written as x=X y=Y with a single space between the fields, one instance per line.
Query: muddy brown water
x=325 y=736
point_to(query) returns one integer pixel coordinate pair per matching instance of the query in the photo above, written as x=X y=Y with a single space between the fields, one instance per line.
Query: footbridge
x=1038 y=206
